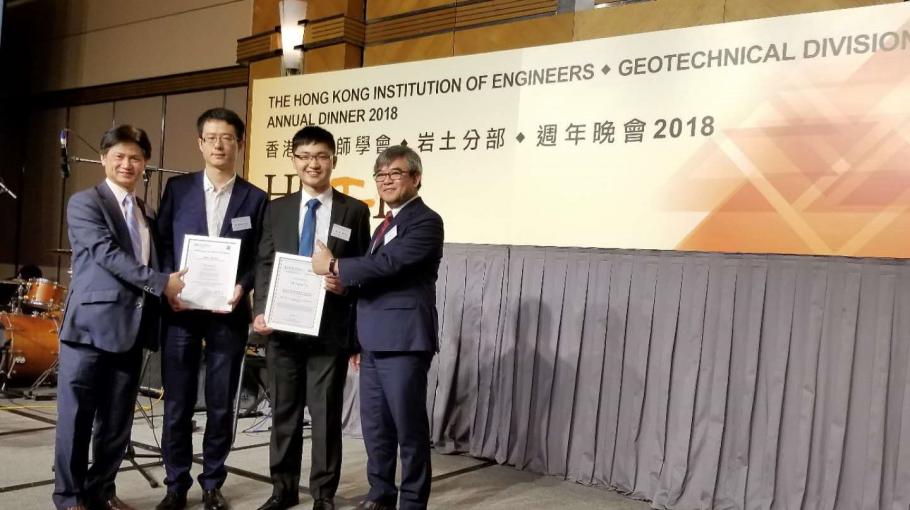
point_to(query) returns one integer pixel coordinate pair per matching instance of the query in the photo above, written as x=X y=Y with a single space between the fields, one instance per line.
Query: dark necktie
x=380 y=232
x=308 y=232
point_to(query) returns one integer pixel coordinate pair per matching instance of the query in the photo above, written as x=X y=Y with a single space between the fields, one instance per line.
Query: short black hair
x=313 y=134
x=126 y=133
x=222 y=114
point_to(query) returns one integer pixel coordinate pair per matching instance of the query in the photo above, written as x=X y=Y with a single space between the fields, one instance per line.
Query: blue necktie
x=132 y=224
x=308 y=232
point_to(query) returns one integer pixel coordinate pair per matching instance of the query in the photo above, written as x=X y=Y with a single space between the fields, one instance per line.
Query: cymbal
x=13 y=281
x=61 y=251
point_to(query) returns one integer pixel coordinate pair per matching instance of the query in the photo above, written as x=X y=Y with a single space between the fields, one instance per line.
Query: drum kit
x=29 y=331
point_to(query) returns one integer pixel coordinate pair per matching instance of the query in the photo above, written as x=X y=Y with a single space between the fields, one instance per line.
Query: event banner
x=781 y=135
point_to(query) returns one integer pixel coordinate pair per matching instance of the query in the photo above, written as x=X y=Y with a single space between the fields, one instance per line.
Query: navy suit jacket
x=396 y=284
x=279 y=234
x=183 y=212
x=111 y=293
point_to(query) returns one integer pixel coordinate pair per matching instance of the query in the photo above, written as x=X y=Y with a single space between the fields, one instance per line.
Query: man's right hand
x=260 y=326
x=174 y=285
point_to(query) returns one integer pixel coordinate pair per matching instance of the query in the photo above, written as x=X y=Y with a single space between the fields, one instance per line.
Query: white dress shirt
x=216 y=203
x=323 y=215
x=120 y=193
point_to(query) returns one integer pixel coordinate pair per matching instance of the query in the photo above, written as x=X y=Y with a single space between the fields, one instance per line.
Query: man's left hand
x=238 y=294
x=321 y=259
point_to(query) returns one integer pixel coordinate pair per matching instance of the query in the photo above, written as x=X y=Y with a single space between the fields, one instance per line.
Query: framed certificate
x=211 y=264
x=296 y=296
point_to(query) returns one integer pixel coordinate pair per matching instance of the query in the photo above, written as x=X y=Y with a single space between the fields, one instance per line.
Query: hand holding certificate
x=296 y=296
x=212 y=272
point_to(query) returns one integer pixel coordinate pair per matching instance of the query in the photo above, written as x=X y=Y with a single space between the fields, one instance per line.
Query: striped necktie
x=132 y=224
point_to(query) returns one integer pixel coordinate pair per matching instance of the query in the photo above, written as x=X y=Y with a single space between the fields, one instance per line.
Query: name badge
x=242 y=223
x=343 y=233
x=391 y=234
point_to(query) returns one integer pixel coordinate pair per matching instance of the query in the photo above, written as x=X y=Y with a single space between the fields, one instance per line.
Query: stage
x=27 y=448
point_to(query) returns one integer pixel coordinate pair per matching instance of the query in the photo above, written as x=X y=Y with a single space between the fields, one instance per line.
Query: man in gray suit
x=111 y=314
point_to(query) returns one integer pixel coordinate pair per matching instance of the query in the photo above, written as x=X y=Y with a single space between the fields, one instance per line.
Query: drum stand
x=32 y=391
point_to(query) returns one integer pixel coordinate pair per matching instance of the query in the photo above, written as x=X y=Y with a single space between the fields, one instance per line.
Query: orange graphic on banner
x=825 y=170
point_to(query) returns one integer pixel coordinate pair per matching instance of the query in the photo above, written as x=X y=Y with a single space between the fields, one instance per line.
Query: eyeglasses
x=321 y=157
x=394 y=175
x=214 y=139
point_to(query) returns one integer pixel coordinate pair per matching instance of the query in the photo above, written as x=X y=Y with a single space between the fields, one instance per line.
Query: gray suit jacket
x=112 y=294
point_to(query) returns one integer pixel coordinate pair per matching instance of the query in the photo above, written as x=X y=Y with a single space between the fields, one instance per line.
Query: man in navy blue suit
x=214 y=202
x=397 y=327
x=112 y=312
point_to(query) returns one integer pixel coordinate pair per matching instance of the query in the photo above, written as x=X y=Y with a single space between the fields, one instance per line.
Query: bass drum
x=32 y=346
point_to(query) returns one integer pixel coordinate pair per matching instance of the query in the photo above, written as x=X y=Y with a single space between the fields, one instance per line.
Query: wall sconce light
x=291 y=13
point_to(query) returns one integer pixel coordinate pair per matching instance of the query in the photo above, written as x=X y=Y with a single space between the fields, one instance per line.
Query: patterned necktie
x=308 y=232
x=380 y=232
x=132 y=224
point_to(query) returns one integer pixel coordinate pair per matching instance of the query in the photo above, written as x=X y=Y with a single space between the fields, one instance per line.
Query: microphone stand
x=148 y=168
x=4 y=189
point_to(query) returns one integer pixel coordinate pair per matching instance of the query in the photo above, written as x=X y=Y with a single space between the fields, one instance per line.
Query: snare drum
x=33 y=346
x=44 y=294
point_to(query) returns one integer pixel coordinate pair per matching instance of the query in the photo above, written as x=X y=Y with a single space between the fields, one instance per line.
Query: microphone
x=64 y=159
x=4 y=189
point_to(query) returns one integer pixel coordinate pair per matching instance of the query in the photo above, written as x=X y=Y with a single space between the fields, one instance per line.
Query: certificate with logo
x=296 y=296
x=211 y=264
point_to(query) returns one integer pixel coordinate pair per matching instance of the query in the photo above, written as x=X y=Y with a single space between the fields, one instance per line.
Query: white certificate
x=211 y=264
x=296 y=296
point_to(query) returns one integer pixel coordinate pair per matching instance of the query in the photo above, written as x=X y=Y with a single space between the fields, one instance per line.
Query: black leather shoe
x=172 y=501
x=373 y=505
x=279 y=503
x=324 y=504
x=214 y=500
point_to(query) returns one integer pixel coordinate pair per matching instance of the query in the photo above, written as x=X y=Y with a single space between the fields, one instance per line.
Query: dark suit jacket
x=396 y=284
x=279 y=234
x=111 y=293
x=183 y=212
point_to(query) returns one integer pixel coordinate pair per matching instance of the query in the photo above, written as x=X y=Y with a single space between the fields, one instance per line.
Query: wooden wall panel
x=738 y=10
x=265 y=16
x=415 y=25
x=334 y=30
x=318 y=9
x=647 y=17
x=331 y=58
x=520 y=34
x=384 y=8
x=258 y=46
x=493 y=11
x=421 y=48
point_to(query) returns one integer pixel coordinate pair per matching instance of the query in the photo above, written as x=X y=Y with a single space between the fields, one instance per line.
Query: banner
x=781 y=135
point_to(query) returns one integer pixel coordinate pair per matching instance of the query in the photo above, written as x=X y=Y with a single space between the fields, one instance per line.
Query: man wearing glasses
x=214 y=202
x=310 y=371
x=397 y=328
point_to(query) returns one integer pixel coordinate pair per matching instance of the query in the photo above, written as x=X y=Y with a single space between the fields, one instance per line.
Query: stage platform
x=459 y=482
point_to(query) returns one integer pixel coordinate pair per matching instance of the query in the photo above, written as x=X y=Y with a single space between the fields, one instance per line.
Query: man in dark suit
x=307 y=371
x=397 y=328
x=112 y=312
x=214 y=202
